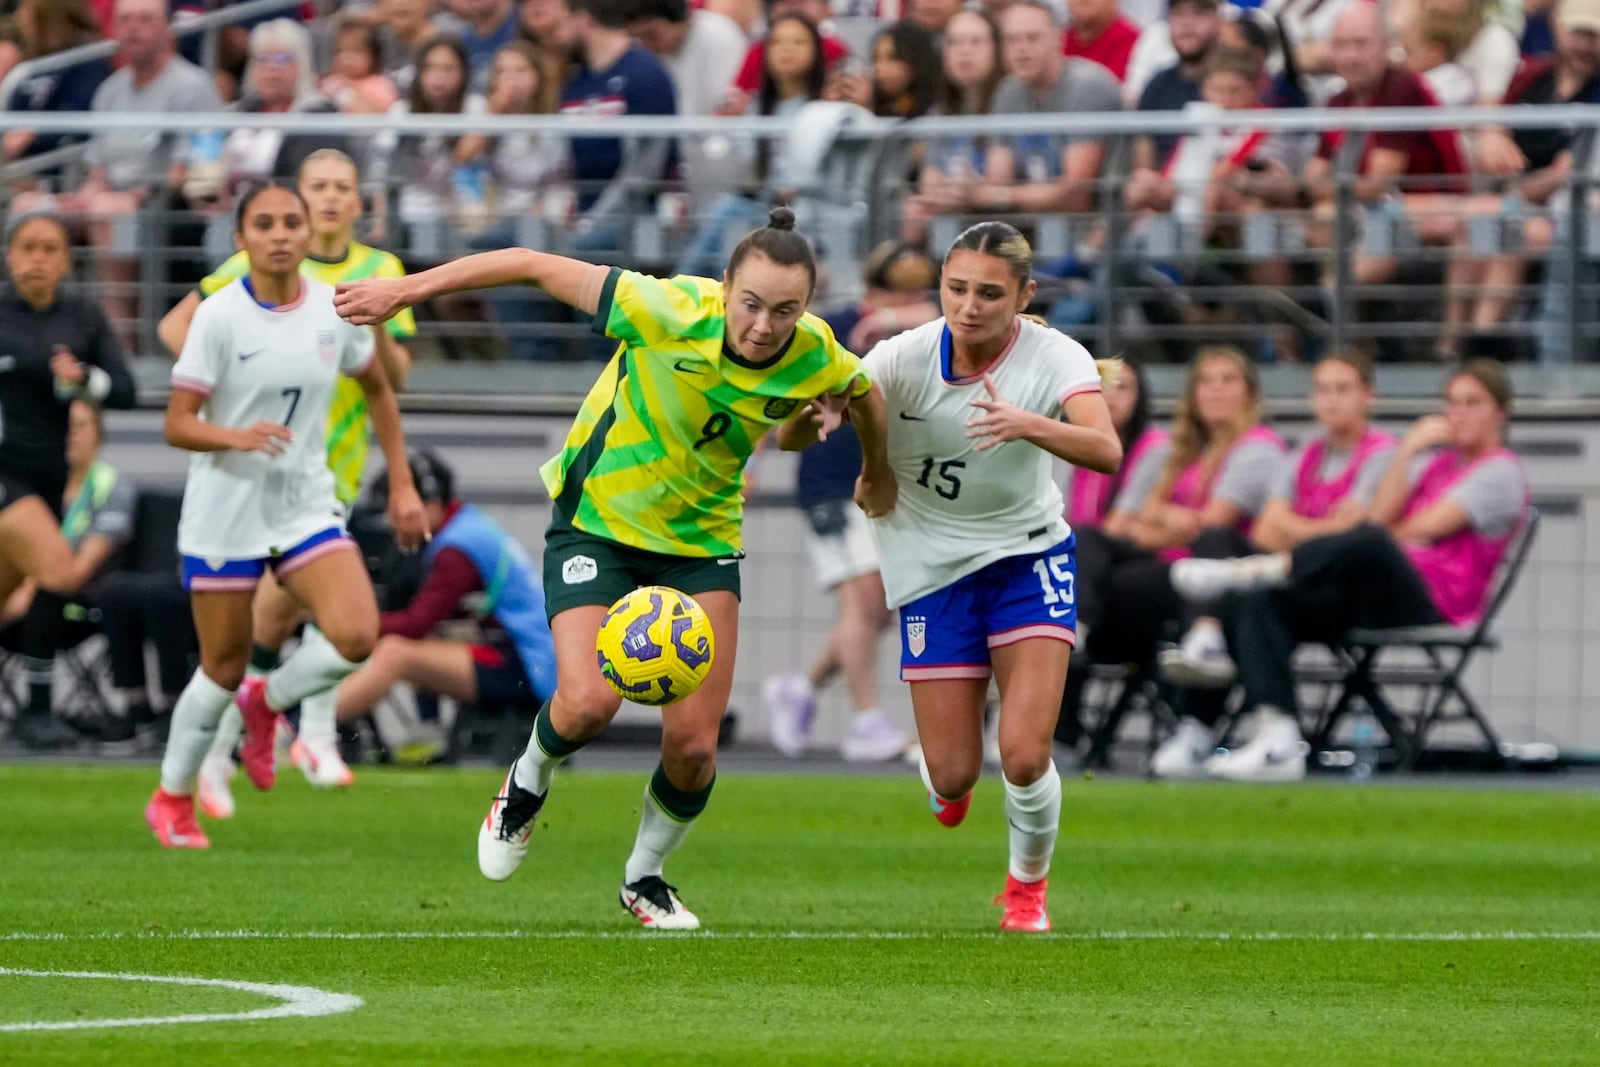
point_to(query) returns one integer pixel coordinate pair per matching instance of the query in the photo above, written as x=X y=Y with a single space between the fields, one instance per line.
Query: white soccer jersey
x=278 y=365
x=960 y=509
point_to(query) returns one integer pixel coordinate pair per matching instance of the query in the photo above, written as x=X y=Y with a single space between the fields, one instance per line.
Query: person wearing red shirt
x=1421 y=172
x=1099 y=32
x=820 y=12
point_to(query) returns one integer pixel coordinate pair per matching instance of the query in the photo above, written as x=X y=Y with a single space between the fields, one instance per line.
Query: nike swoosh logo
x=692 y=368
x=912 y=418
x=1057 y=613
x=246 y=355
x=728 y=562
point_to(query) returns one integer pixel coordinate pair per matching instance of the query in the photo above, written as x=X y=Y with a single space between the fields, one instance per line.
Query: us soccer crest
x=327 y=346
x=917 y=635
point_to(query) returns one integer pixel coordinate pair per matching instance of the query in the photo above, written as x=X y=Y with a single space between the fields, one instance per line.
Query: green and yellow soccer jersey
x=347 y=417
x=656 y=456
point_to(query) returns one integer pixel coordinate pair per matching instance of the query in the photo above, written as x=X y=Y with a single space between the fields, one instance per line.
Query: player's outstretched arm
x=405 y=506
x=173 y=329
x=876 y=488
x=570 y=281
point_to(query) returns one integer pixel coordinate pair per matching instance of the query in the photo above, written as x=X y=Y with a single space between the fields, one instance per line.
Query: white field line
x=298 y=1001
x=791 y=935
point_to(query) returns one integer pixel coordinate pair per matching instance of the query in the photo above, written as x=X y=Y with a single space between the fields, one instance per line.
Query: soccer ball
x=655 y=645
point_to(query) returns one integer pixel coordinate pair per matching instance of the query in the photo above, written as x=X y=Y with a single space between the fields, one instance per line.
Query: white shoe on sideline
x=1277 y=752
x=1203 y=581
x=1184 y=754
x=1200 y=661
x=791 y=707
x=872 y=738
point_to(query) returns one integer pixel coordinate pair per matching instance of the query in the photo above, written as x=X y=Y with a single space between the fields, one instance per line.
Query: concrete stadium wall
x=1536 y=687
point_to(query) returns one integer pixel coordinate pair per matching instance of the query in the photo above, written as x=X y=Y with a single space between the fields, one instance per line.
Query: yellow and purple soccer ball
x=656 y=645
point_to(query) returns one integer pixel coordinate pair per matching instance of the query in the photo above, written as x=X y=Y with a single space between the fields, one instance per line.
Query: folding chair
x=1128 y=688
x=1447 y=649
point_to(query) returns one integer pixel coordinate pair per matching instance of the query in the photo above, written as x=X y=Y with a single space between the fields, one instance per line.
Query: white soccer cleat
x=1184 y=754
x=872 y=738
x=791 y=707
x=1277 y=753
x=503 y=837
x=321 y=763
x=1200 y=661
x=656 y=905
x=214 y=787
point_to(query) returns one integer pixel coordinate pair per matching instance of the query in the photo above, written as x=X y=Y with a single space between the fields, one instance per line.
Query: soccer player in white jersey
x=976 y=556
x=250 y=397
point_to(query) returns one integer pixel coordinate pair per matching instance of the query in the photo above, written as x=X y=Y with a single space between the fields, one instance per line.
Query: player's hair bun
x=780 y=218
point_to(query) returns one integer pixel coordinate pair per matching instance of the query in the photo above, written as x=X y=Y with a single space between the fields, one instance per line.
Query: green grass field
x=1194 y=925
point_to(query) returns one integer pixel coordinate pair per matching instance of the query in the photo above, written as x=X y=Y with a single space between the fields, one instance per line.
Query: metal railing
x=854 y=185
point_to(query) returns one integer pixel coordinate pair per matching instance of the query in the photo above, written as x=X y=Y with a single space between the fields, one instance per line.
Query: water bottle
x=1363 y=747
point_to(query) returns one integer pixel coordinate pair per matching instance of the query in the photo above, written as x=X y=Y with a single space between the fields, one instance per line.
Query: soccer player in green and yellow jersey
x=648 y=490
x=330 y=184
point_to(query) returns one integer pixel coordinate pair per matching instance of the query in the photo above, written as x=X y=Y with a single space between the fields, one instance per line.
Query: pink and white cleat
x=1025 y=906
x=214 y=787
x=172 y=820
x=260 y=730
x=949 y=812
x=321 y=763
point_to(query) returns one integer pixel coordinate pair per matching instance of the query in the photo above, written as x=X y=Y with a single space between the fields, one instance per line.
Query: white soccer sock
x=319 y=714
x=313 y=667
x=659 y=836
x=1033 y=815
x=229 y=730
x=194 y=722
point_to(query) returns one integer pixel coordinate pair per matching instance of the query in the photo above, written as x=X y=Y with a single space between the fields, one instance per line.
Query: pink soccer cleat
x=172 y=820
x=1025 y=906
x=260 y=729
x=949 y=812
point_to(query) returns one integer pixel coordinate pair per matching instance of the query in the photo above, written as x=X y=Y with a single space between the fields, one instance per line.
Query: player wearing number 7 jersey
x=250 y=397
x=648 y=490
x=976 y=556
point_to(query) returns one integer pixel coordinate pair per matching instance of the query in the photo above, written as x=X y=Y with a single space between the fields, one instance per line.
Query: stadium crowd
x=1220 y=484
x=1206 y=190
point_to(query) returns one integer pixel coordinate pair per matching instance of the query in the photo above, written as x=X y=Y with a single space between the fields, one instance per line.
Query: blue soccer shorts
x=949 y=633
x=242 y=575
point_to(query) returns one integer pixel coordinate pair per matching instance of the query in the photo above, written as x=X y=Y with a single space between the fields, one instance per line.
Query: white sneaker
x=656 y=905
x=503 y=837
x=791 y=707
x=1277 y=753
x=1184 y=754
x=1205 y=580
x=872 y=738
x=321 y=763
x=215 y=787
x=1200 y=661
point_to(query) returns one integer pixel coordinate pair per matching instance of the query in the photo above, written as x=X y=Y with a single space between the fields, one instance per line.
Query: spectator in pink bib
x=1441 y=519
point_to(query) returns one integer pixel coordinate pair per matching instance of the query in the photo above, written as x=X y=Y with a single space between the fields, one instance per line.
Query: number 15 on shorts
x=1056 y=579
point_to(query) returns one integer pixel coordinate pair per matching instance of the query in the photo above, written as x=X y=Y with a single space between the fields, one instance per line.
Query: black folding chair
x=1128 y=689
x=1446 y=650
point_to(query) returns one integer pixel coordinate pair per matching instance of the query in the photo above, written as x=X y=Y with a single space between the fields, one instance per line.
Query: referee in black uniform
x=54 y=348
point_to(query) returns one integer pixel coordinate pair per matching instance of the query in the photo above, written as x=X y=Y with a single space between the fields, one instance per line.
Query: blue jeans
x=708 y=251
